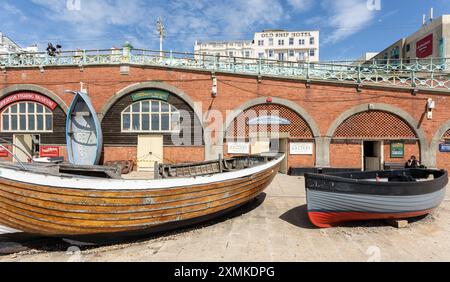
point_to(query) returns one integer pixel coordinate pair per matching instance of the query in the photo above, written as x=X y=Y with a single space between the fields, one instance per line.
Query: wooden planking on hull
x=28 y=219
x=108 y=198
x=126 y=209
x=33 y=225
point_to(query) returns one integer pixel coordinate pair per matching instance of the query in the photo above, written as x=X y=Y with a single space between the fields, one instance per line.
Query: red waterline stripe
x=331 y=219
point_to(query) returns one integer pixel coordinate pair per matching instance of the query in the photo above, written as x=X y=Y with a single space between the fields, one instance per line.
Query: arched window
x=27 y=117
x=151 y=116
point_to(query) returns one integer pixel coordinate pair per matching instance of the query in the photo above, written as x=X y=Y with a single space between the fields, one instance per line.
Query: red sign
x=424 y=47
x=27 y=96
x=49 y=152
x=3 y=153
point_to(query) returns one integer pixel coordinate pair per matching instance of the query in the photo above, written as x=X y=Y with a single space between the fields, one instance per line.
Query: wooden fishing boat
x=63 y=200
x=84 y=133
x=396 y=194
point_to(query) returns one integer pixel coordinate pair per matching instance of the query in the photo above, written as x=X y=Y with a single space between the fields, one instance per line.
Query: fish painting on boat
x=84 y=133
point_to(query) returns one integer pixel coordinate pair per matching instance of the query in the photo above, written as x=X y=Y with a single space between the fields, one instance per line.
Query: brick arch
x=374 y=124
x=218 y=148
x=37 y=89
x=149 y=85
x=298 y=128
x=283 y=102
x=392 y=110
x=443 y=132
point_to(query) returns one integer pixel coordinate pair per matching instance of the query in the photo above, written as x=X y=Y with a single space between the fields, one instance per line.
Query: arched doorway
x=371 y=139
x=33 y=120
x=151 y=124
x=271 y=127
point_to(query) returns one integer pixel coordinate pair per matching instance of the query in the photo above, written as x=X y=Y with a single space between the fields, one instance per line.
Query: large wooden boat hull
x=74 y=206
x=337 y=198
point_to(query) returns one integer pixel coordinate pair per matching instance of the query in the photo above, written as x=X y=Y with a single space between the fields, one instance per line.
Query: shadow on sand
x=298 y=217
x=14 y=243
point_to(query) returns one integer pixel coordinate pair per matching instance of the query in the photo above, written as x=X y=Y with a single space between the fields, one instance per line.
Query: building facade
x=432 y=40
x=168 y=115
x=8 y=46
x=270 y=44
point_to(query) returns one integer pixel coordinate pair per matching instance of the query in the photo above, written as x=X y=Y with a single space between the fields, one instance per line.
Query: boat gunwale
x=158 y=184
x=392 y=188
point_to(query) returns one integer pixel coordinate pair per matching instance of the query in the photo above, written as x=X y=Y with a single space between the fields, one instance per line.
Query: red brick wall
x=323 y=102
x=443 y=160
x=171 y=154
x=184 y=154
x=410 y=150
x=346 y=155
x=119 y=153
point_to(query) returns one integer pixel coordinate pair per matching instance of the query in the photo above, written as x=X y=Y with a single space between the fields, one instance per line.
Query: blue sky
x=348 y=27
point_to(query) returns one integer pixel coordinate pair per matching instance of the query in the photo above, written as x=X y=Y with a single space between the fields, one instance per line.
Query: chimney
x=424 y=20
x=431 y=15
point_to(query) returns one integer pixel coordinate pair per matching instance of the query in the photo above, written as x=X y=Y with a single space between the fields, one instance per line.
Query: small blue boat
x=83 y=132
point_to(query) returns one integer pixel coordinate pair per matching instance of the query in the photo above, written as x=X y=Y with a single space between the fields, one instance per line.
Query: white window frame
x=46 y=111
x=150 y=113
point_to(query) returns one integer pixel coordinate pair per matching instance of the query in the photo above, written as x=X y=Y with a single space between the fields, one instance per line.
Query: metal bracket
x=414 y=91
x=359 y=87
x=259 y=79
x=308 y=83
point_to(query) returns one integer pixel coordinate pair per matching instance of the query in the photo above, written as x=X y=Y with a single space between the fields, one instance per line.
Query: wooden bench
x=393 y=165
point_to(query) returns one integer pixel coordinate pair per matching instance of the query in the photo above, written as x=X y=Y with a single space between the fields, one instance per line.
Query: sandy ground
x=274 y=227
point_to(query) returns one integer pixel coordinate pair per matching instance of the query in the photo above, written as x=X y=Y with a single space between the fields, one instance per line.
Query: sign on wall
x=269 y=120
x=49 y=151
x=444 y=148
x=424 y=47
x=397 y=150
x=238 y=148
x=301 y=148
x=27 y=96
x=150 y=94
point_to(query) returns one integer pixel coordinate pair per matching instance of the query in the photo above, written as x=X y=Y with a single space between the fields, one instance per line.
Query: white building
x=270 y=44
x=432 y=40
x=8 y=46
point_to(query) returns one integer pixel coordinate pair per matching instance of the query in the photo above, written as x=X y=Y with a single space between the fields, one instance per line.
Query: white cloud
x=346 y=17
x=14 y=11
x=185 y=20
x=301 y=5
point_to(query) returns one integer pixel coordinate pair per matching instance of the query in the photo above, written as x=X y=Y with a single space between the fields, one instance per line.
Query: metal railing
x=428 y=74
